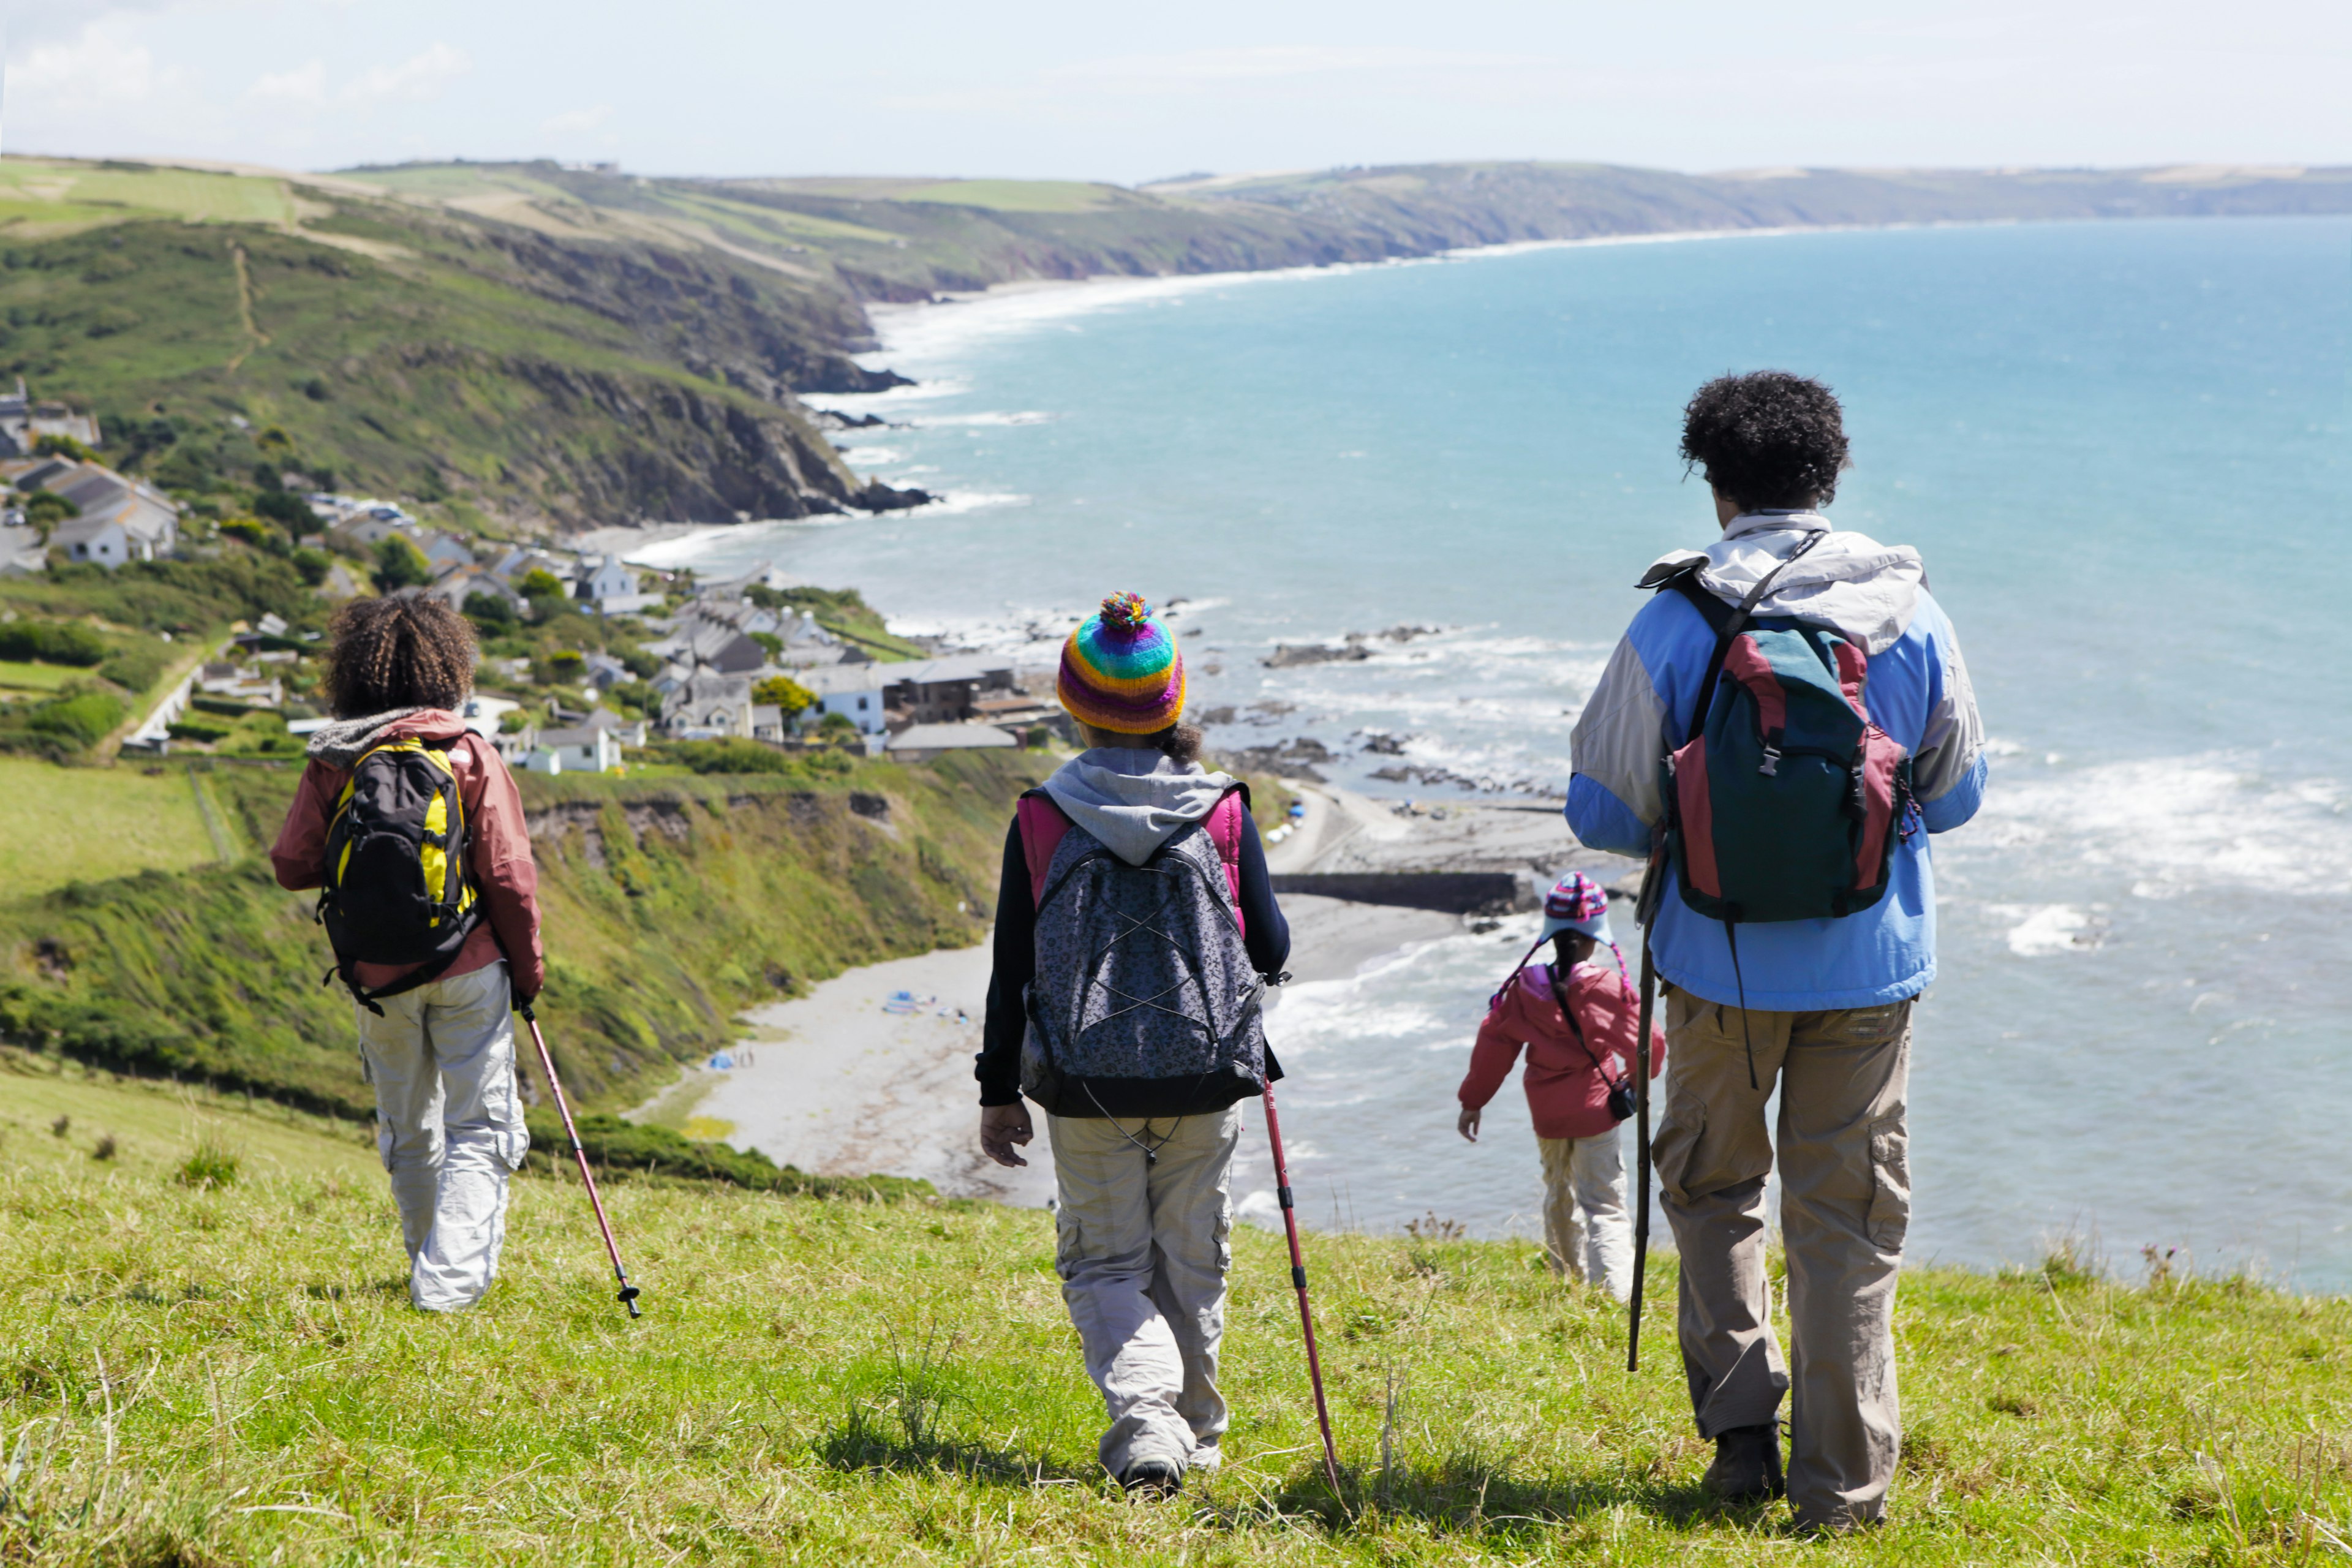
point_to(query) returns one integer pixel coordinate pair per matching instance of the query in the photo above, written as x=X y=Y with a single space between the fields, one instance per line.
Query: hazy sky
x=1132 y=92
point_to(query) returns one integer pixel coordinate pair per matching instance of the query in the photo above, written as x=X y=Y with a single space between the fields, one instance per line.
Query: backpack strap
x=1043 y=826
x=1224 y=827
x=1727 y=623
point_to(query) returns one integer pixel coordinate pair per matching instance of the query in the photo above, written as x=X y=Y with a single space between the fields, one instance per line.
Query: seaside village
x=639 y=656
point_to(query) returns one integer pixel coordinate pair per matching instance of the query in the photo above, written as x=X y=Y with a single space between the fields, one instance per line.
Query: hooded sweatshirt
x=499 y=854
x=1918 y=693
x=1133 y=800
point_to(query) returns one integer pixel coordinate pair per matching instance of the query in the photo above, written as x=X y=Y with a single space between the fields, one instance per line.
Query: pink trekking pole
x=628 y=1295
x=1298 y=1281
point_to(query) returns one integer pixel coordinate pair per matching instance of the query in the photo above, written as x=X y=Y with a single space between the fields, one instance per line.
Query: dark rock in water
x=838 y=372
x=833 y=419
x=1392 y=773
x=1383 y=744
x=879 y=497
x=1406 y=634
x=1286 y=655
x=1305 y=746
x=1217 y=716
x=1294 y=758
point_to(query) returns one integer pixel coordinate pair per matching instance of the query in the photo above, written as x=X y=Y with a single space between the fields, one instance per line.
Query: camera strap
x=1559 y=994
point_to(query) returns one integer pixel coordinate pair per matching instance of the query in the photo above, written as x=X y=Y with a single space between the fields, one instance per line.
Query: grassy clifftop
x=670 y=904
x=219 y=1374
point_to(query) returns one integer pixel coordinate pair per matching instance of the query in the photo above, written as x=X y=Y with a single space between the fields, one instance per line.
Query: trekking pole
x=1641 y=1160
x=1298 y=1281
x=628 y=1295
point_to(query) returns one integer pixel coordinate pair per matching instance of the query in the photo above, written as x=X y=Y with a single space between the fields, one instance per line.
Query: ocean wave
x=949 y=503
x=2038 y=931
x=2175 y=824
x=986 y=418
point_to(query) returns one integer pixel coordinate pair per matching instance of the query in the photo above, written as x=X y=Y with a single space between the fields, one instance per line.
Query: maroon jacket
x=1566 y=1089
x=504 y=872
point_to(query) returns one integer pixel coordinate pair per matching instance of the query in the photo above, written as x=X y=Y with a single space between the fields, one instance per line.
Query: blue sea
x=2125 y=452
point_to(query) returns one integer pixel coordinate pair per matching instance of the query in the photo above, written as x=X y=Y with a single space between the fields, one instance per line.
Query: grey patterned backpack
x=1145 y=1002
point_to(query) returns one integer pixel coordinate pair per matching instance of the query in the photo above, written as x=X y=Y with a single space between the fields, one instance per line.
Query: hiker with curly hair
x=1134 y=921
x=410 y=824
x=1781 y=728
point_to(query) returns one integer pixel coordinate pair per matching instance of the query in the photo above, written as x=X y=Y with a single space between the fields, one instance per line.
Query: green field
x=18 y=675
x=85 y=825
x=1021 y=196
x=53 y=196
x=232 y=1375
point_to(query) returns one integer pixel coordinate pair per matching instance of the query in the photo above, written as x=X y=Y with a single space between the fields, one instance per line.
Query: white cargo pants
x=1143 y=1247
x=449 y=1126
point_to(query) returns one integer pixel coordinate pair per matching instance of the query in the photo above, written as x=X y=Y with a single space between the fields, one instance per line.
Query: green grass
x=52 y=195
x=1020 y=195
x=19 y=675
x=231 y=1374
x=86 y=824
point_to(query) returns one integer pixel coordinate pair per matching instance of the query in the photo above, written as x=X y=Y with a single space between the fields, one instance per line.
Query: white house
x=607 y=582
x=588 y=750
x=708 y=707
x=101 y=539
x=482 y=713
x=853 y=690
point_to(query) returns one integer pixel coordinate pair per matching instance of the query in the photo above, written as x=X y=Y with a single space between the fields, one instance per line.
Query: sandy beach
x=836 y=1084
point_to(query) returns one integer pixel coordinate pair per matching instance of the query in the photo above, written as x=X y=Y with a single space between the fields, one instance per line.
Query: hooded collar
x=341 y=744
x=1864 y=591
x=1134 y=799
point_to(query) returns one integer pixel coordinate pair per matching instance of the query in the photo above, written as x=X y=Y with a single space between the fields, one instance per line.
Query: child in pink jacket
x=1578 y=1023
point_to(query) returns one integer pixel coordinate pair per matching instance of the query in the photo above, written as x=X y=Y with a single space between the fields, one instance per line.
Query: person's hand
x=1468 y=1124
x=1001 y=1127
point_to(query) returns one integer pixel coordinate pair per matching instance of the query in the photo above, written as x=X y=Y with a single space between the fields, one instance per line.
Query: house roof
x=833 y=679
x=948 y=738
x=586 y=735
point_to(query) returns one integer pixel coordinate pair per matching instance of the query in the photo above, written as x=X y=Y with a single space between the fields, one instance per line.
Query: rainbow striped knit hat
x=1122 y=671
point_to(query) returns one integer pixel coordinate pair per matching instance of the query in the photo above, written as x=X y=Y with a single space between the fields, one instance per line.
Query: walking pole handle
x=628 y=1292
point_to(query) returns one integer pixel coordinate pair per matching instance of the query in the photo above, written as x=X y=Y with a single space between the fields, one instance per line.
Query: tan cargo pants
x=1846 y=1199
x=1588 y=1235
x=1143 y=1247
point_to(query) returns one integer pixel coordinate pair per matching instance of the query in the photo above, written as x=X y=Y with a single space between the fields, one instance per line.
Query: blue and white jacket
x=1874 y=595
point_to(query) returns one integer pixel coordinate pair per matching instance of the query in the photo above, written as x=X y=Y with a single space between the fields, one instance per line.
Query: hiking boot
x=1746 y=1466
x=1151 y=1479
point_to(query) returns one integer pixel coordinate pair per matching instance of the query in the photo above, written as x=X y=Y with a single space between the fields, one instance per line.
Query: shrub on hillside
x=135 y=666
x=314 y=565
x=400 y=565
x=615 y=1145
x=51 y=642
x=737 y=755
x=288 y=510
x=83 y=718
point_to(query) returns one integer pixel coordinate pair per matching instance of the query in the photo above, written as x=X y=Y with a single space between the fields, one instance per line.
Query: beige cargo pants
x=1588 y=1235
x=1143 y=1247
x=1846 y=1199
x=449 y=1126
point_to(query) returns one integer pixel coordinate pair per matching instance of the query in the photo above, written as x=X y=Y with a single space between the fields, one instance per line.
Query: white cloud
x=1288 y=61
x=305 y=84
x=420 y=77
x=572 y=121
x=104 y=62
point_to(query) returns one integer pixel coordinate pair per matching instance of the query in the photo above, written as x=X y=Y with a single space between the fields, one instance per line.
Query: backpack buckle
x=1771 y=767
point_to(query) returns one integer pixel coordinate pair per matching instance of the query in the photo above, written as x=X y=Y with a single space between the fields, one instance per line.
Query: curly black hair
x=404 y=651
x=1768 y=440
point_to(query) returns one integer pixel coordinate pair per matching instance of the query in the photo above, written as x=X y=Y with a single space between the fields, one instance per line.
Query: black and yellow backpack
x=396 y=888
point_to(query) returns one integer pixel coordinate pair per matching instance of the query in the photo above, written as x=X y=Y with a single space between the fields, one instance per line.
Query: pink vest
x=1043 y=825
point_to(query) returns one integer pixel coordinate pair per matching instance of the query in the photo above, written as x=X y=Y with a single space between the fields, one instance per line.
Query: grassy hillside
x=546 y=345
x=230 y=1374
x=670 y=904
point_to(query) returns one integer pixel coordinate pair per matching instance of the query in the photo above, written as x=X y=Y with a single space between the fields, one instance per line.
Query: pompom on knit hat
x=1122 y=669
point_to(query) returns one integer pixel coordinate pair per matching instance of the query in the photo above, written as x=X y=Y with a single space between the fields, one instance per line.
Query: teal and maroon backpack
x=1787 y=801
